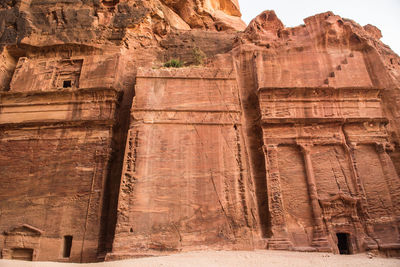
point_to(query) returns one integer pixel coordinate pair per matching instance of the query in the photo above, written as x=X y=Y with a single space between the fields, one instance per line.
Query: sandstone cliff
x=269 y=137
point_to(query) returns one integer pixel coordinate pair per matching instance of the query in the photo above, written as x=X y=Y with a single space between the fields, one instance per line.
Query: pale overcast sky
x=384 y=14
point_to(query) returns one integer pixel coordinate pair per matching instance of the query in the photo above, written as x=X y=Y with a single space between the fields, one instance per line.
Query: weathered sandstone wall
x=184 y=168
x=56 y=146
x=321 y=91
x=267 y=138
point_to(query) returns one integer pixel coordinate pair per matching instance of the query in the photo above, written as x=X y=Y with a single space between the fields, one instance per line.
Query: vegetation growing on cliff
x=173 y=63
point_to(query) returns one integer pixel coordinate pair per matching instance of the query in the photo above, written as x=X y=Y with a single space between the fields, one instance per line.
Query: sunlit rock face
x=50 y=22
x=266 y=137
x=221 y=15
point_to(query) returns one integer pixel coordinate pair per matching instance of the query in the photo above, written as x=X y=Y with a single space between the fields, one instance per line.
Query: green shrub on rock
x=173 y=63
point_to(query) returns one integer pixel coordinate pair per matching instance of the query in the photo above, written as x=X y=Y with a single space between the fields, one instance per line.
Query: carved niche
x=67 y=74
x=46 y=74
x=22 y=243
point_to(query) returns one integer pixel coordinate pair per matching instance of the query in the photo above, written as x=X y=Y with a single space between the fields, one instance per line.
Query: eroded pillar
x=280 y=238
x=369 y=234
x=320 y=240
x=391 y=178
x=390 y=173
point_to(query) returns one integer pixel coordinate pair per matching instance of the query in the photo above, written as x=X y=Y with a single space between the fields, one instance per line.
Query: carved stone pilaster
x=391 y=178
x=360 y=192
x=390 y=173
x=320 y=240
x=369 y=234
x=280 y=238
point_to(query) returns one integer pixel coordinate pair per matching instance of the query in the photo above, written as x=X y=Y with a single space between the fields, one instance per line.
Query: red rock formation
x=321 y=90
x=270 y=138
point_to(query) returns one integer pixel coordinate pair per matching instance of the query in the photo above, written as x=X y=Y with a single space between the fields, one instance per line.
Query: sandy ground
x=231 y=259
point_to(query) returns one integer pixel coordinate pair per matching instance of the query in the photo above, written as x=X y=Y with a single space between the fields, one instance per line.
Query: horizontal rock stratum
x=266 y=137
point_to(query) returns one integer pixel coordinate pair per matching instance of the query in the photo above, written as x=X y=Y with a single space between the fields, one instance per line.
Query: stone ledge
x=187 y=73
x=42 y=108
x=76 y=91
x=322 y=120
x=261 y=89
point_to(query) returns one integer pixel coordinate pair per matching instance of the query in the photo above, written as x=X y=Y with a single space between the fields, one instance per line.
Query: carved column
x=280 y=238
x=390 y=173
x=360 y=192
x=369 y=234
x=391 y=178
x=320 y=240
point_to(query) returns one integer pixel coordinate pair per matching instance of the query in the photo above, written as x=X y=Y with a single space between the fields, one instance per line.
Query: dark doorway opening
x=23 y=254
x=343 y=243
x=67 y=246
x=67 y=84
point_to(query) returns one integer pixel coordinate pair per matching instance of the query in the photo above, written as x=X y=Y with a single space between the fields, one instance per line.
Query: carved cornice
x=187 y=73
x=24 y=229
x=291 y=120
x=112 y=92
x=94 y=106
x=262 y=89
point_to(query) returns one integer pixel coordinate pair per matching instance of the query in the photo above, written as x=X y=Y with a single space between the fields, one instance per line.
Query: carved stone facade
x=55 y=148
x=184 y=166
x=283 y=138
x=326 y=126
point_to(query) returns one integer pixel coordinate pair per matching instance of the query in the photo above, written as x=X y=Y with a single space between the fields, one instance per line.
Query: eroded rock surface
x=267 y=138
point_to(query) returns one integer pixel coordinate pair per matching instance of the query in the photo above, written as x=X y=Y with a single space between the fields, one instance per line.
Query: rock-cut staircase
x=340 y=73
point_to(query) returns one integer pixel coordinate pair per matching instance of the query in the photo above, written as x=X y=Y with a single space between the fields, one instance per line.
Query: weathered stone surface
x=217 y=14
x=322 y=90
x=194 y=191
x=269 y=138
